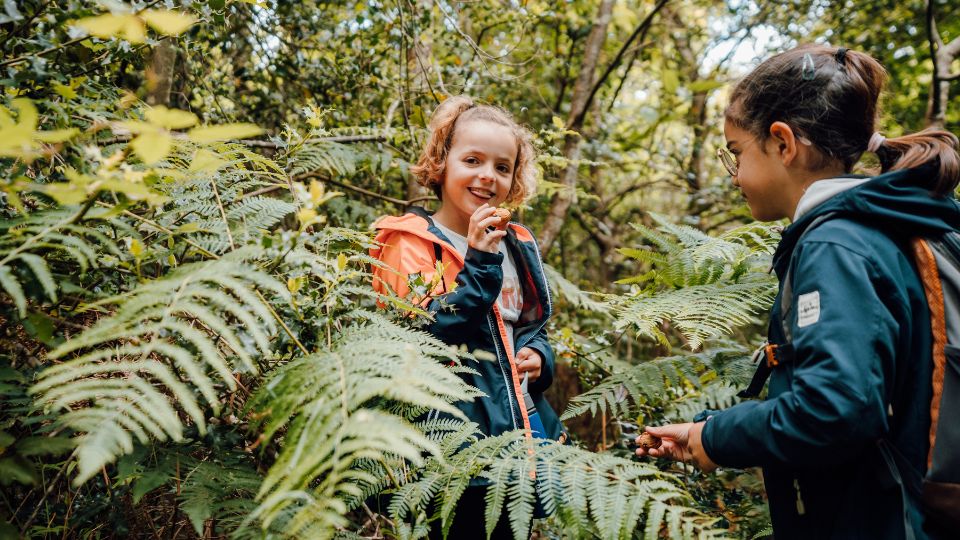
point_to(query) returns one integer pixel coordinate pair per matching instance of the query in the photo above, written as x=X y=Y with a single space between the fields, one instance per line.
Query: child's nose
x=487 y=173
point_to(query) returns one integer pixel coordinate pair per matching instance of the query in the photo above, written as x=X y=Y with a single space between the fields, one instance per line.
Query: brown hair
x=431 y=166
x=829 y=95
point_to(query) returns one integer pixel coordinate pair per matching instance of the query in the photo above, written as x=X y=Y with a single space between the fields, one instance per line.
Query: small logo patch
x=808 y=309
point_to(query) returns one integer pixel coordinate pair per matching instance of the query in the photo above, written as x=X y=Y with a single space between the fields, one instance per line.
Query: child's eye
x=472 y=160
x=504 y=169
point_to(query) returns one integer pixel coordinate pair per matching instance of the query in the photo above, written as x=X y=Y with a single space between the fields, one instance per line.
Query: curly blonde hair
x=431 y=166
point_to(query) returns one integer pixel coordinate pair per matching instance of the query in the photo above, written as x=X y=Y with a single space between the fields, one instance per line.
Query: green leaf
x=150 y=481
x=171 y=23
x=6 y=440
x=704 y=85
x=209 y=134
x=44 y=446
x=170 y=118
x=39 y=268
x=16 y=469
x=152 y=146
x=10 y=284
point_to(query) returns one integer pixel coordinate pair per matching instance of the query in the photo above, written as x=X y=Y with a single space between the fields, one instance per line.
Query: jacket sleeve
x=844 y=343
x=457 y=313
x=540 y=344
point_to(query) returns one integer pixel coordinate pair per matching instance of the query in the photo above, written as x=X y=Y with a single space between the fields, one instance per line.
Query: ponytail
x=931 y=145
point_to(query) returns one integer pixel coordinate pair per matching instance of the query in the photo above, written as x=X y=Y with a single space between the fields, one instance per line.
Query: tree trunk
x=942 y=57
x=571 y=146
x=160 y=73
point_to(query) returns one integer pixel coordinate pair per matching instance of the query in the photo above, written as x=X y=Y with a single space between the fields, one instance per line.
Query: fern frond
x=700 y=312
x=122 y=386
x=324 y=401
x=328 y=157
x=28 y=246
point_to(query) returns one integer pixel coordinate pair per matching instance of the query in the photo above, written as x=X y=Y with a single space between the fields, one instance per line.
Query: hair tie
x=876 y=141
x=841 y=56
x=807 y=68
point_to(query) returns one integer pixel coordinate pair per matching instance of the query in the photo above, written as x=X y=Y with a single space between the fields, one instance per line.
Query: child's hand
x=529 y=361
x=680 y=442
x=477 y=235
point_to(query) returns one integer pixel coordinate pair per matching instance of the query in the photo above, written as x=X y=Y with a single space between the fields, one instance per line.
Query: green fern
x=584 y=490
x=325 y=401
x=129 y=382
x=29 y=243
x=327 y=157
x=700 y=285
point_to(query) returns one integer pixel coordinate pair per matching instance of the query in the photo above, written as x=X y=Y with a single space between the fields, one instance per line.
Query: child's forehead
x=485 y=136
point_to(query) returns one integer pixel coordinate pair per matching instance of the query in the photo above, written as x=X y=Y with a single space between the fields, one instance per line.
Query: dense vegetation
x=190 y=346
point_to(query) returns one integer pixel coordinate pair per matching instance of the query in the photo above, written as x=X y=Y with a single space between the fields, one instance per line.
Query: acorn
x=648 y=441
x=504 y=216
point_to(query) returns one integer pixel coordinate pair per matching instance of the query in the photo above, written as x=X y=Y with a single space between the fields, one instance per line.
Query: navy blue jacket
x=861 y=368
x=409 y=246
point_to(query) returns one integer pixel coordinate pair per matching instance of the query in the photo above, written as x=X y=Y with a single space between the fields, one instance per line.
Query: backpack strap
x=930 y=277
x=777 y=354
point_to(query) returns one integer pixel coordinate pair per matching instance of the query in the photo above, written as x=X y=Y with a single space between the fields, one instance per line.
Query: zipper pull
x=801 y=510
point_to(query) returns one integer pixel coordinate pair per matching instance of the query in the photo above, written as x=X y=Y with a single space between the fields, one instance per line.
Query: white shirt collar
x=822 y=191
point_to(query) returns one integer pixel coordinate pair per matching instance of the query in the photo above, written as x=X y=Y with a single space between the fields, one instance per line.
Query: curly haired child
x=494 y=292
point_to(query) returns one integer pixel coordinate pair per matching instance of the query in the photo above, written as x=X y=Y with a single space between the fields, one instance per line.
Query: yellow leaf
x=305 y=215
x=187 y=228
x=132 y=190
x=171 y=23
x=558 y=123
x=28 y=113
x=209 y=134
x=341 y=262
x=64 y=91
x=137 y=126
x=171 y=260
x=127 y=99
x=170 y=118
x=152 y=146
x=109 y=25
x=316 y=192
x=66 y=192
x=133 y=30
x=294 y=284
x=55 y=136
x=136 y=248
x=206 y=161
x=103 y=26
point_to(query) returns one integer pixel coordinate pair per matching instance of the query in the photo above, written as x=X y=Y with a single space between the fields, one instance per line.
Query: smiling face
x=761 y=176
x=479 y=169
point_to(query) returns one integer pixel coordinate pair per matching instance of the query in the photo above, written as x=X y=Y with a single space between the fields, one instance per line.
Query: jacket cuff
x=477 y=256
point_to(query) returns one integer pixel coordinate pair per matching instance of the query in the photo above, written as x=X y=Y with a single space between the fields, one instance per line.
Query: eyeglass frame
x=731 y=163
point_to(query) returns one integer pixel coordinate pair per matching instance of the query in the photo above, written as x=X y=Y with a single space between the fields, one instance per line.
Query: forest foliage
x=190 y=345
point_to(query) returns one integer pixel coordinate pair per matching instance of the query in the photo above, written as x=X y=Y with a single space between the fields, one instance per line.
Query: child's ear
x=785 y=140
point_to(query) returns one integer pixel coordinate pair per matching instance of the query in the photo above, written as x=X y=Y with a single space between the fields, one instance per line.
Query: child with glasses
x=850 y=358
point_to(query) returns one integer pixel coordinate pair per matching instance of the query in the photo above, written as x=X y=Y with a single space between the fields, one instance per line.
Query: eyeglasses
x=728 y=160
x=732 y=164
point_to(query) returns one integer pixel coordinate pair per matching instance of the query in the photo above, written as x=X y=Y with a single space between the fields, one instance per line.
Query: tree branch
x=641 y=30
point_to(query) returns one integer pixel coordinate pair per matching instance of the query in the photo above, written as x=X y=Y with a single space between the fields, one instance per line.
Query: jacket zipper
x=509 y=386
x=546 y=289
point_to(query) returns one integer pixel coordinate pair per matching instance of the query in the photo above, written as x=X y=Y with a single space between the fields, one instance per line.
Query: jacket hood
x=898 y=201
